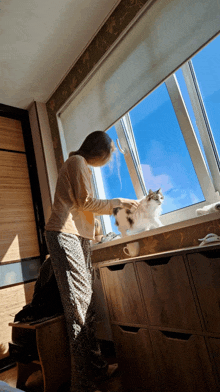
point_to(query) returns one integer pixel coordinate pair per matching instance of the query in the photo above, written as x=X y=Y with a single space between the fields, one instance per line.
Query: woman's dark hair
x=97 y=145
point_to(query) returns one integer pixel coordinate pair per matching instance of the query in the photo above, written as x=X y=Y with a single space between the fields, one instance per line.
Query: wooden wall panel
x=11 y=137
x=17 y=220
x=19 y=244
x=12 y=299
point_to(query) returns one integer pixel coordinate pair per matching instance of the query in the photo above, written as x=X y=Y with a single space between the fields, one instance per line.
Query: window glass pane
x=116 y=178
x=163 y=154
x=185 y=94
x=206 y=64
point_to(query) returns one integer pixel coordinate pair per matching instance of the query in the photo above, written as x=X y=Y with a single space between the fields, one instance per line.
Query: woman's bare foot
x=111 y=369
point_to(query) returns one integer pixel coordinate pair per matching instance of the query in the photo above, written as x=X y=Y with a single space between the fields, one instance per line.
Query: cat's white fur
x=215 y=207
x=145 y=217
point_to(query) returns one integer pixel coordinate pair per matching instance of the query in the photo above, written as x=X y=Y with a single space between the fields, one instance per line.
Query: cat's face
x=157 y=196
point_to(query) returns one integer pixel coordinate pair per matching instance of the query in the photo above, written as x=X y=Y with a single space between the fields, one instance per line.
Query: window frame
x=129 y=149
x=202 y=122
x=210 y=185
x=99 y=192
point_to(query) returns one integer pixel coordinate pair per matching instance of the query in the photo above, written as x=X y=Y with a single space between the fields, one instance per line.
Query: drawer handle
x=116 y=267
x=176 y=335
x=129 y=329
x=161 y=261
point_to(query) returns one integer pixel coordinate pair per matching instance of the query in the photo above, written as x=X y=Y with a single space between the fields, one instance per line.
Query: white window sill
x=159 y=230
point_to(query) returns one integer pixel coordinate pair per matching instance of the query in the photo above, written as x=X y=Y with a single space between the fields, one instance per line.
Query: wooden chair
x=53 y=352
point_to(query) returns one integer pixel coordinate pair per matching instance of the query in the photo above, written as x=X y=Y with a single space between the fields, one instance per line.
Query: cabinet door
x=122 y=294
x=103 y=328
x=183 y=362
x=167 y=293
x=136 y=361
x=215 y=352
x=205 y=267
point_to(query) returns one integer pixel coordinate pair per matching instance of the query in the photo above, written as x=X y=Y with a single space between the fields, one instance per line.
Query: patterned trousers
x=71 y=261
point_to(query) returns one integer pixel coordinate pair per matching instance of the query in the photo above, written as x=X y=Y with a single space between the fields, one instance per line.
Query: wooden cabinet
x=167 y=293
x=215 y=354
x=122 y=294
x=183 y=362
x=165 y=317
x=205 y=269
x=136 y=359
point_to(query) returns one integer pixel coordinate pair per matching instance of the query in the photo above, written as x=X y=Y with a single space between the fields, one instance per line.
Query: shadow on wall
x=19 y=259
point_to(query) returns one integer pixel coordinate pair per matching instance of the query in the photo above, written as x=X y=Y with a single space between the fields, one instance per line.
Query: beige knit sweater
x=74 y=206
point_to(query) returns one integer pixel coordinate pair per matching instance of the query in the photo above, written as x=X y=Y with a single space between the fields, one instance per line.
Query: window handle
x=119 y=147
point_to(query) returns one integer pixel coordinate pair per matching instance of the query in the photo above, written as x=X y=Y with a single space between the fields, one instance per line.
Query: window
x=170 y=140
x=112 y=181
x=206 y=65
x=165 y=160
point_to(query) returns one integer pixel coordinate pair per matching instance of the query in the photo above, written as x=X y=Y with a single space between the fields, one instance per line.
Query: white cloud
x=170 y=204
x=162 y=181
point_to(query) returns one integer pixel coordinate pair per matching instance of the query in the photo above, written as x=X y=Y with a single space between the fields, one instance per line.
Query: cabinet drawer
x=205 y=268
x=122 y=294
x=167 y=293
x=136 y=361
x=215 y=352
x=183 y=362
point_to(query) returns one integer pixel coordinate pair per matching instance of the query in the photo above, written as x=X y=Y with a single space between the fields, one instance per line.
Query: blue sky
x=207 y=65
x=163 y=154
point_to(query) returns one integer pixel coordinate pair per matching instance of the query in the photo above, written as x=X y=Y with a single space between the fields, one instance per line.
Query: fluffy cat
x=145 y=217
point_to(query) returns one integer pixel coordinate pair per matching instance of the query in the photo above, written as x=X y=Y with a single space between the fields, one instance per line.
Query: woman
x=68 y=233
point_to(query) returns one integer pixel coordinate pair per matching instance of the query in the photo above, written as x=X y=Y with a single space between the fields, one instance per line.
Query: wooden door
x=19 y=241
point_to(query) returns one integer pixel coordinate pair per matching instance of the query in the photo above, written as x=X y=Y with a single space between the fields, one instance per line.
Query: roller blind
x=167 y=34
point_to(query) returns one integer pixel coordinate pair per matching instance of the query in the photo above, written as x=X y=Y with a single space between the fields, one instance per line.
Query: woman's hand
x=129 y=203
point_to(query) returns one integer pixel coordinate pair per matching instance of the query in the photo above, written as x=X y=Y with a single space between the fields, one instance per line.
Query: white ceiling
x=39 y=42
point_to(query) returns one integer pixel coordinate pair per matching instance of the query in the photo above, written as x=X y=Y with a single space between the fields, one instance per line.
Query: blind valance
x=167 y=34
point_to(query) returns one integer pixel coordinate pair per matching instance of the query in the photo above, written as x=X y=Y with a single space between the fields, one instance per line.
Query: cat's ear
x=159 y=190
x=150 y=191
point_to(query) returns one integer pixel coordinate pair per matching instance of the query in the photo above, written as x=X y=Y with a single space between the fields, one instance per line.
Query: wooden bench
x=53 y=352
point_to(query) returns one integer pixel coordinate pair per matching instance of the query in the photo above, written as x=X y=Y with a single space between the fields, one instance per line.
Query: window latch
x=119 y=147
